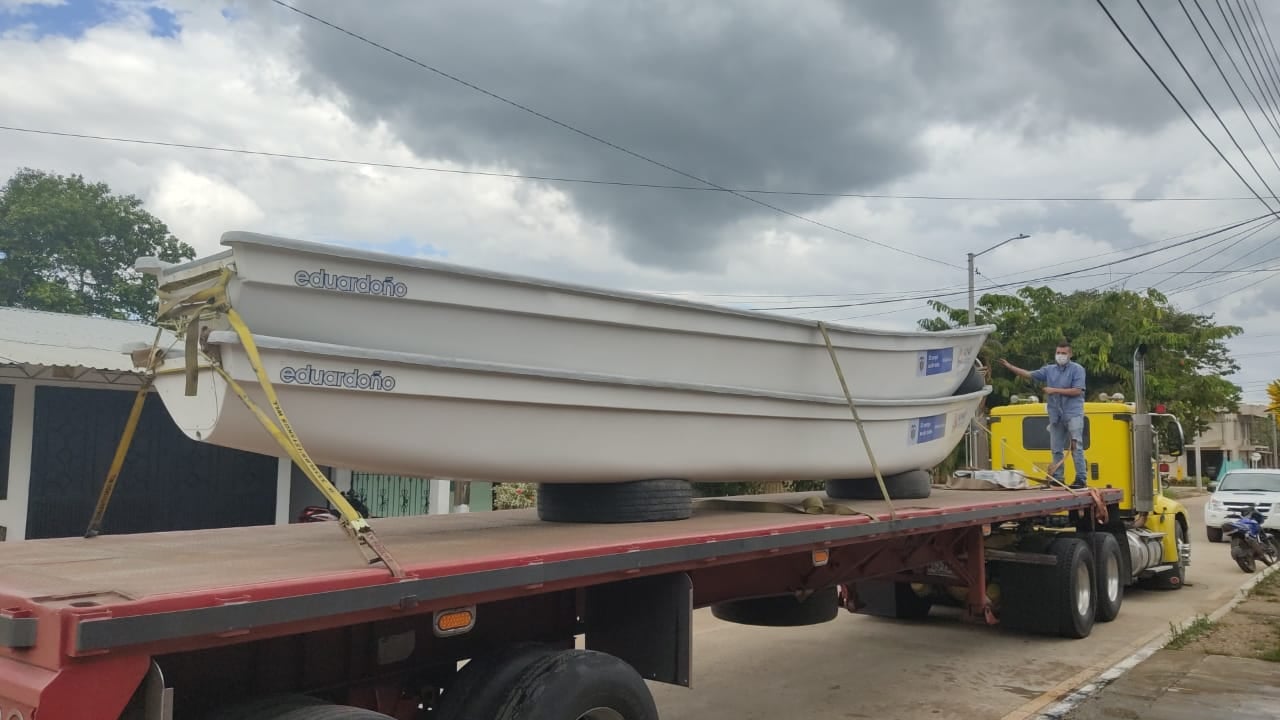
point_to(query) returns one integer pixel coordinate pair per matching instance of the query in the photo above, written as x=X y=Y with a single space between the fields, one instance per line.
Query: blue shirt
x=1070 y=375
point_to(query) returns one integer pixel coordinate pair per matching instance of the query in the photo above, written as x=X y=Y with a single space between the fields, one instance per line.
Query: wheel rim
x=1113 y=577
x=601 y=713
x=1083 y=591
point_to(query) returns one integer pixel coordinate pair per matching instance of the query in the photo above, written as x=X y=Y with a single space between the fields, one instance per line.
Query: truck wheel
x=781 y=610
x=630 y=502
x=891 y=599
x=910 y=485
x=1110 y=567
x=1058 y=599
x=577 y=685
x=1213 y=534
x=1077 y=583
x=1175 y=577
x=476 y=691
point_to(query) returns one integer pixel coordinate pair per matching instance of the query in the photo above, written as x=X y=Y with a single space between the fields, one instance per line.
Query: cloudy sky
x=1038 y=115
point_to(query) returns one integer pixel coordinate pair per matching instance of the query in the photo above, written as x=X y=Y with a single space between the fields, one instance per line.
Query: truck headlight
x=1216 y=505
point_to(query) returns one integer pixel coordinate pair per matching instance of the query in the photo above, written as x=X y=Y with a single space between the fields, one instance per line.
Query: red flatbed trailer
x=173 y=625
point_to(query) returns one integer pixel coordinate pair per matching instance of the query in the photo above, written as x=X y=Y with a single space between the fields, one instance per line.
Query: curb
x=1076 y=696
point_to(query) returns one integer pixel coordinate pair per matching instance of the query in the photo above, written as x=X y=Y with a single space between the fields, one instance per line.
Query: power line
x=1182 y=107
x=1268 y=116
x=605 y=142
x=1255 y=67
x=1257 y=41
x=623 y=183
x=1208 y=104
x=1275 y=54
x=1226 y=80
x=1024 y=282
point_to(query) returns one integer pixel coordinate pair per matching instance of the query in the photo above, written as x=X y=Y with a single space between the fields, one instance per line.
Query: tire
x=570 y=684
x=781 y=610
x=1213 y=534
x=1044 y=599
x=631 y=502
x=1175 y=578
x=910 y=485
x=476 y=691
x=973 y=382
x=1247 y=564
x=1077 y=583
x=1109 y=566
x=899 y=600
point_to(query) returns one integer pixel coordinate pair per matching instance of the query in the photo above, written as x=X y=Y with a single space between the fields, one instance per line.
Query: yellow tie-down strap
x=357 y=526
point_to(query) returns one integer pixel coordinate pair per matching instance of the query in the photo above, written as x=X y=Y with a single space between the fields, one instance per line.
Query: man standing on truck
x=1064 y=397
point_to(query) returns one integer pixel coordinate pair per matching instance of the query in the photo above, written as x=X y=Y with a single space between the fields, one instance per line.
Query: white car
x=1237 y=490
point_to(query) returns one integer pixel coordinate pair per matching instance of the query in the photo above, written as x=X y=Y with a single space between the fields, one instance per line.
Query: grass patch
x=1184 y=636
x=1269 y=587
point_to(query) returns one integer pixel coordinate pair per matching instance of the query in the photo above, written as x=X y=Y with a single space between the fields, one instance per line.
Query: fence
x=391 y=495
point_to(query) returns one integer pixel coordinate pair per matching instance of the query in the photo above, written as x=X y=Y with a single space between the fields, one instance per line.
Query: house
x=67 y=384
x=1234 y=438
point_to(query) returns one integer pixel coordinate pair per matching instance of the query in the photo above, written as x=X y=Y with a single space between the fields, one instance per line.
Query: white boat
x=343 y=296
x=413 y=414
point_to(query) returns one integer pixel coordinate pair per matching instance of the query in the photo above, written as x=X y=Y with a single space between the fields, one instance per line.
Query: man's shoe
x=1079 y=485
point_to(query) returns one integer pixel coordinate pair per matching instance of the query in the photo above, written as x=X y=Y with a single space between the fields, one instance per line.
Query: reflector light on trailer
x=455 y=621
x=821 y=557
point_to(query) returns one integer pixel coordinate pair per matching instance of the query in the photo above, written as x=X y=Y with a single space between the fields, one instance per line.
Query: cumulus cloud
x=928 y=98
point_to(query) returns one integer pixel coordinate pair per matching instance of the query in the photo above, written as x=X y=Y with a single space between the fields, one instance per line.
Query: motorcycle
x=325 y=513
x=1249 y=542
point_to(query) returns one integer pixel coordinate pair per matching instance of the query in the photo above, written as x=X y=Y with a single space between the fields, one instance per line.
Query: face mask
x=1061 y=358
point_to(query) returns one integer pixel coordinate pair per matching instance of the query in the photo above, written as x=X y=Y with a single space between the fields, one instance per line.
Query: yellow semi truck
x=1121 y=452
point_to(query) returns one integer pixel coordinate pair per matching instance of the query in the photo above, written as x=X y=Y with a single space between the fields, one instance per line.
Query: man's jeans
x=1060 y=434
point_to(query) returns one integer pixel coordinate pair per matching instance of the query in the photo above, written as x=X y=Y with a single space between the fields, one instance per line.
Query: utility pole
x=977 y=448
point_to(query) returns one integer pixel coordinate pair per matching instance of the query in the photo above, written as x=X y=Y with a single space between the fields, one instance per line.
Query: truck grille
x=1234 y=508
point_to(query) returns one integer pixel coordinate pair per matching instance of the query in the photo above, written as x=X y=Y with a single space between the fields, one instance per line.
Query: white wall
x=13 y=509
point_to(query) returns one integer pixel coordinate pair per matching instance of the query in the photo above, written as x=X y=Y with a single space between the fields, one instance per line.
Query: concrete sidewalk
x=1224 y=668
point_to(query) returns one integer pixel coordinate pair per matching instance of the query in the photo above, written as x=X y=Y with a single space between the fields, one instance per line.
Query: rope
x=853 y=409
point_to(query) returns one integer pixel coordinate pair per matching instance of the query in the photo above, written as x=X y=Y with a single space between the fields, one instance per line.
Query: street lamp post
x=977 y=449
x=972 y=257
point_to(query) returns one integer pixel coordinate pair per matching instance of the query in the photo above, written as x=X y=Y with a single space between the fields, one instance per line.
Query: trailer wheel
x=578 y=685
x=630 y=502
x=910 y=485
x=1110 y=579
x=781 y=610
x=476 y=691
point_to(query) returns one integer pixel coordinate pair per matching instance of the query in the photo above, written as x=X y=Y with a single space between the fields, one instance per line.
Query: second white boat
x=413 y=414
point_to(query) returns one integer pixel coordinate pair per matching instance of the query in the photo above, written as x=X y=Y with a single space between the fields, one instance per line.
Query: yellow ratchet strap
x=284 y=434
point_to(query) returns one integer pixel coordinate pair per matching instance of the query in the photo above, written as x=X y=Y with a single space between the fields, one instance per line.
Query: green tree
x=1187 y=357
x=69 y=246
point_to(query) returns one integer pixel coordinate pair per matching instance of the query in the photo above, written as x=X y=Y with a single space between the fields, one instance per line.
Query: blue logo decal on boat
x=934 y=362
x=368 y=285
x=347 y=379
x=927 y=429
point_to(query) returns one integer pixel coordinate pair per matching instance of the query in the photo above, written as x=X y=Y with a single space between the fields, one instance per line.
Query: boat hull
x=329 y=294
x=408 y=414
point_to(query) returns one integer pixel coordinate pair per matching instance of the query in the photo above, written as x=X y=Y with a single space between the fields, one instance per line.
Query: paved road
x=862 y=667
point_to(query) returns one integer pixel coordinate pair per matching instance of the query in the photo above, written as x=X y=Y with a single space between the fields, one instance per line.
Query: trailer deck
x=129 y=590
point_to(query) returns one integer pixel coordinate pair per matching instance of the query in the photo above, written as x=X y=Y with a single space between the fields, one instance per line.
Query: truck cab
x=1116 y=448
